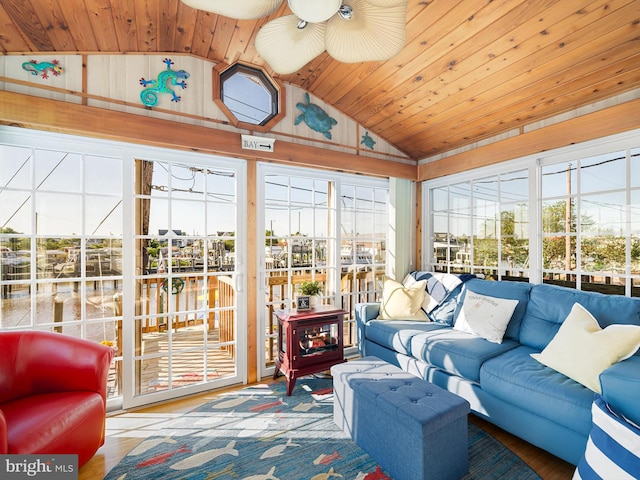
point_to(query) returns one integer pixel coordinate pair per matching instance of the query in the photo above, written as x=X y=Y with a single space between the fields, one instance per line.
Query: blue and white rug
x=258 y=433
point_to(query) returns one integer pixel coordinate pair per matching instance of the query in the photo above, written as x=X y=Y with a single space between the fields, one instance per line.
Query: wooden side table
x=309 y=341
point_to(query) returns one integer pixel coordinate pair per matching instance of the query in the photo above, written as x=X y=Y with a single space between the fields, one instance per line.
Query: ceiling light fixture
x=351 y=31
x=314 y=11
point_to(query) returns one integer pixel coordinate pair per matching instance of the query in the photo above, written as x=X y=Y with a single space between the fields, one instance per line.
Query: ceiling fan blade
x=386 y=3
x=287 y=48
x=371 y=34
x=238 y=9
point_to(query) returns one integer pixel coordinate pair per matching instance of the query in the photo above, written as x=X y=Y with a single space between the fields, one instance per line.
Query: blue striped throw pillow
x=613 y=448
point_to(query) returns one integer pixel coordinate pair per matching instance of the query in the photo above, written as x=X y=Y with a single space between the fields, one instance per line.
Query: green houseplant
x=311 y=288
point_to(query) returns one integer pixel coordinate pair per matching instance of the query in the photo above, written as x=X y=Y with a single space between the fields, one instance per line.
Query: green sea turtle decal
x=367 y=141
x=315 y=117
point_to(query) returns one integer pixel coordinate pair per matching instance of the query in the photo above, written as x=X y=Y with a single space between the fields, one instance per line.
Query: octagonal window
x=248 y=96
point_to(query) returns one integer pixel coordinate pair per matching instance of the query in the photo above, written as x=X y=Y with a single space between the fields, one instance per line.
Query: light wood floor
x=126 y=429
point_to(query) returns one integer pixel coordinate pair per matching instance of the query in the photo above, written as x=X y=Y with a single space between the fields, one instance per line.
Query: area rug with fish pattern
x=258 y=433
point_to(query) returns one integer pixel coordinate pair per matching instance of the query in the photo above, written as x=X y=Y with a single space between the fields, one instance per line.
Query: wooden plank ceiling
x=471 y=69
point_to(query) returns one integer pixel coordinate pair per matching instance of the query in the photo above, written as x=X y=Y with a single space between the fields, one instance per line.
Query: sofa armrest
x=621 y=388
x=45 y=362
x=364 y=313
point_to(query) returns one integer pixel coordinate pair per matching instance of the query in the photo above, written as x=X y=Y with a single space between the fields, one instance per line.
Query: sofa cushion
x=402 y=303
x=485 y=316
x=502 y=289
x=582 y=350
x=396 y=334
x=549 y=306
x=456 y=352
x=517 y=378
x=62 y=422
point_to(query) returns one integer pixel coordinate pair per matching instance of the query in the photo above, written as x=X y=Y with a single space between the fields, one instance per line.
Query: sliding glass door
x=134 y=247
x=320 y=226
x=185 y=327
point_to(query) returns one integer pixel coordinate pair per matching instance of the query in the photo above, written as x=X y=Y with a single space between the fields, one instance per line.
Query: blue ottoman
x=412 y=428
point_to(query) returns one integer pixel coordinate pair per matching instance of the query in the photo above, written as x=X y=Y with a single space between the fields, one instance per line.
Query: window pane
x=187 y=218
x=604 y=172
x=187 y=182
x=460 y=199
x=364 y=198
x=103 y=215
x=106 y=175
x=15 y=212
x=603 y=214
x=555 y=217
x=559 y=179
x=58 y=214
x=603 y=253
x=301 y=221
x=15 y=307
x=276 y=189
x=15 y=260
x=322 y=222
x=381 y=200
x=16 y=167
x=58 y=171
x=103 y=257
x=514 y=187
x=559 y=252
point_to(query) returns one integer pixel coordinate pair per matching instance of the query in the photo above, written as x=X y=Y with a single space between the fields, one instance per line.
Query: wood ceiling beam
x=63 y=117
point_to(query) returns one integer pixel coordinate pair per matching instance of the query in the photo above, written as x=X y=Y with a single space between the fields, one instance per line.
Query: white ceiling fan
x=350 y=31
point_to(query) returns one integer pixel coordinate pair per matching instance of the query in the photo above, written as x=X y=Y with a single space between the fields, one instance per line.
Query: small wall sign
x=262 y=144
x=303 y=302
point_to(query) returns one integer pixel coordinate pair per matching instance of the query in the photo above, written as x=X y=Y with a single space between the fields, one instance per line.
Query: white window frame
x=533 y=164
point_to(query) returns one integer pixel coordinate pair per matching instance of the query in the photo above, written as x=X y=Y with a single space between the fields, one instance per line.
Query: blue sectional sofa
x=501 y=381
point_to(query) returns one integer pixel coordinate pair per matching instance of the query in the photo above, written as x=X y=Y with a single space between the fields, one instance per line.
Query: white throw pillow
x=582 y=350
x=428 y=303
x=402 y=303
x=485 y=316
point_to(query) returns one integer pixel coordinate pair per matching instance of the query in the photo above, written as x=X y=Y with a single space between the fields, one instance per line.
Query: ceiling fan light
x=287 y=48
x=238 y=9
x=372 y=34
x=314 y=11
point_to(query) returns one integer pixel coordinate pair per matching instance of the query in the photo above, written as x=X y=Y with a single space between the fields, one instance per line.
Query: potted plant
x=312 y=289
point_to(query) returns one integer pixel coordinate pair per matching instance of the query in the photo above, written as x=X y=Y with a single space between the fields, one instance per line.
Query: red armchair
x=53 y=390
